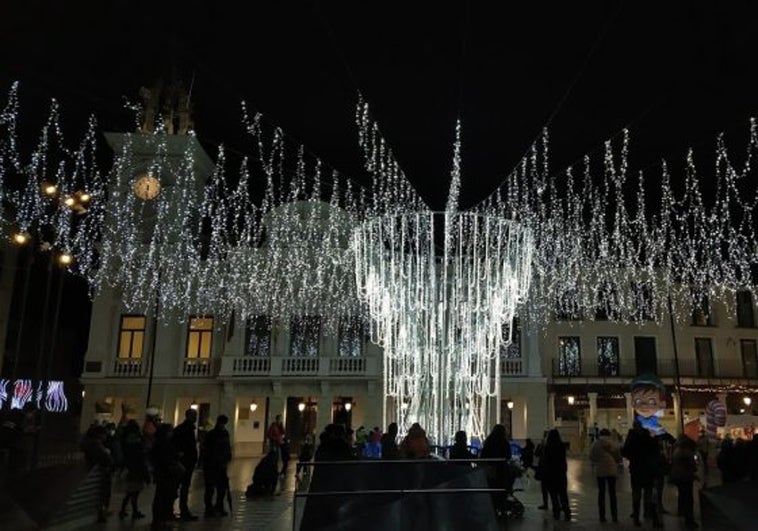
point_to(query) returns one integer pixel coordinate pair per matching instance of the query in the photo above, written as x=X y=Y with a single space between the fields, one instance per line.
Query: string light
x=287 y=238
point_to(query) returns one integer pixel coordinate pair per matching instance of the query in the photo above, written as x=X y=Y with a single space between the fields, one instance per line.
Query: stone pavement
x=276 y=514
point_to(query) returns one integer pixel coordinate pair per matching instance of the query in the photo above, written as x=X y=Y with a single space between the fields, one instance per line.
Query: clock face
x=147 y=187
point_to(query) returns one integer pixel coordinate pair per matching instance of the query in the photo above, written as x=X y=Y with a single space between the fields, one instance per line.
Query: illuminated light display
x=25 y=391
x=543 y=244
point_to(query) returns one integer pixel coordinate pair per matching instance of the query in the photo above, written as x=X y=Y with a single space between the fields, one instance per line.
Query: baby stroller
x=265 y=477
x=502 y=477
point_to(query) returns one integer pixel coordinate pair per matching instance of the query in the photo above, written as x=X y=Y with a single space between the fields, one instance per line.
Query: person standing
x=555 y=474
x=168 y=471
x=605 y=456
x=683 y=475
x=539 y=472
x=643 y=453
x=703 y=448
x=217 y=454
x=527 y=455
x=496 y=446
x=460 y=450
x=389 y=443
x=137 y=474
x=275 y=434
x=185 y=442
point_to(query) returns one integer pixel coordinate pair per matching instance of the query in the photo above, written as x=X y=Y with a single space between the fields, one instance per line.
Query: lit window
x=258 y=336
x=304 y=338
x=200 y=337
x=131 y=336
x=352 y=332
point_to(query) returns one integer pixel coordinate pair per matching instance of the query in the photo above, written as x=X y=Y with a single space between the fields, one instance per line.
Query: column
x=551 y=410
x=324 y=408
x=518 y=418
x=593 y=410
x=677 y=410
x=629 y=410
x=228 y=407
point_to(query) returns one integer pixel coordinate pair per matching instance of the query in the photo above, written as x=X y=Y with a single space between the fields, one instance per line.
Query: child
x=306 y=454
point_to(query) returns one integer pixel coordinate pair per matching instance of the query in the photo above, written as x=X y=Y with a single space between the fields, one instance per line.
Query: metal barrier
x=302 y=489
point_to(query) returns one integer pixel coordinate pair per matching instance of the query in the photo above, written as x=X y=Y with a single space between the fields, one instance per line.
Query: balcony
x=512 y=367
x=666 y=368
x=128 y=368
x=253 y=366
x=198 y=367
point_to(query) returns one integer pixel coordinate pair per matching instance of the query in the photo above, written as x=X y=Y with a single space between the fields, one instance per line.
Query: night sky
x=675 y=73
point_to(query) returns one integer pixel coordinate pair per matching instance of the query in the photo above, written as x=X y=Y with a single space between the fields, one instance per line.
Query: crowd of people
x=168 y=455
x=165 y=455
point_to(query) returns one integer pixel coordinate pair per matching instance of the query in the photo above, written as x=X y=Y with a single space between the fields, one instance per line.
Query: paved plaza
x=276 y=513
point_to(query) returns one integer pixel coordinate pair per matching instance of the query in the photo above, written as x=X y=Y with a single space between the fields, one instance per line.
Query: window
x=258 y=336
x=645 y=356
x=749 y=357
x=351 y=337
x=704 y=356
x=607 y=302
x=304 y=338
x=569 y=356
x=200 y=337
x=642 y=294
x=131 y=336
x=513 y=349
x=608 y=356
x=701 y=312
x=567 y=306
x=745 y=316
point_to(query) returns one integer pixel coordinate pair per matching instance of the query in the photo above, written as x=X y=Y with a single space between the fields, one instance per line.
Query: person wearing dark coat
x=168 y=471
x=96 y=454
x=527 y=455
x=539 y=471
x=496 y=446
x=135 y=463
x=555 y=470
x=186 y=444
x=460 y=450
x=217 y=454
x=643 y=453
x=390 y=449
x=334 y=445
x=683 y=475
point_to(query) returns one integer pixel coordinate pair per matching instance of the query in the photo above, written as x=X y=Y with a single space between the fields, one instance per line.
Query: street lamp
x=747 y=401
x=301 y=407
x=570 y=399
x=509 y=404
x=348 y=406
x=253 y=406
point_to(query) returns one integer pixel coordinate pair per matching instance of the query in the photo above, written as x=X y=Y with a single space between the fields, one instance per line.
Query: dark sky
x=675 y=73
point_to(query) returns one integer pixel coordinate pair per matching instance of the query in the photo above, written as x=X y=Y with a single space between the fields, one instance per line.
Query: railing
x=198 y=367
x=251 y=365
x=347 y=366
x=127 y=368
x=665 y=367
x=300 y=366
x=512 y=367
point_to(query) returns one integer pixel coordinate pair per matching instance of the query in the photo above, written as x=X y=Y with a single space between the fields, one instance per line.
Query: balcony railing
x=665 y=367
x=127 y=368
x=300 y=366
x=512 y=367
x=347 y=366
x=198 y=367
x=251 y=365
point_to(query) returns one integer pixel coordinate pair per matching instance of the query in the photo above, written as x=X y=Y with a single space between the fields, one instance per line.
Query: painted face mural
x=649 y=402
